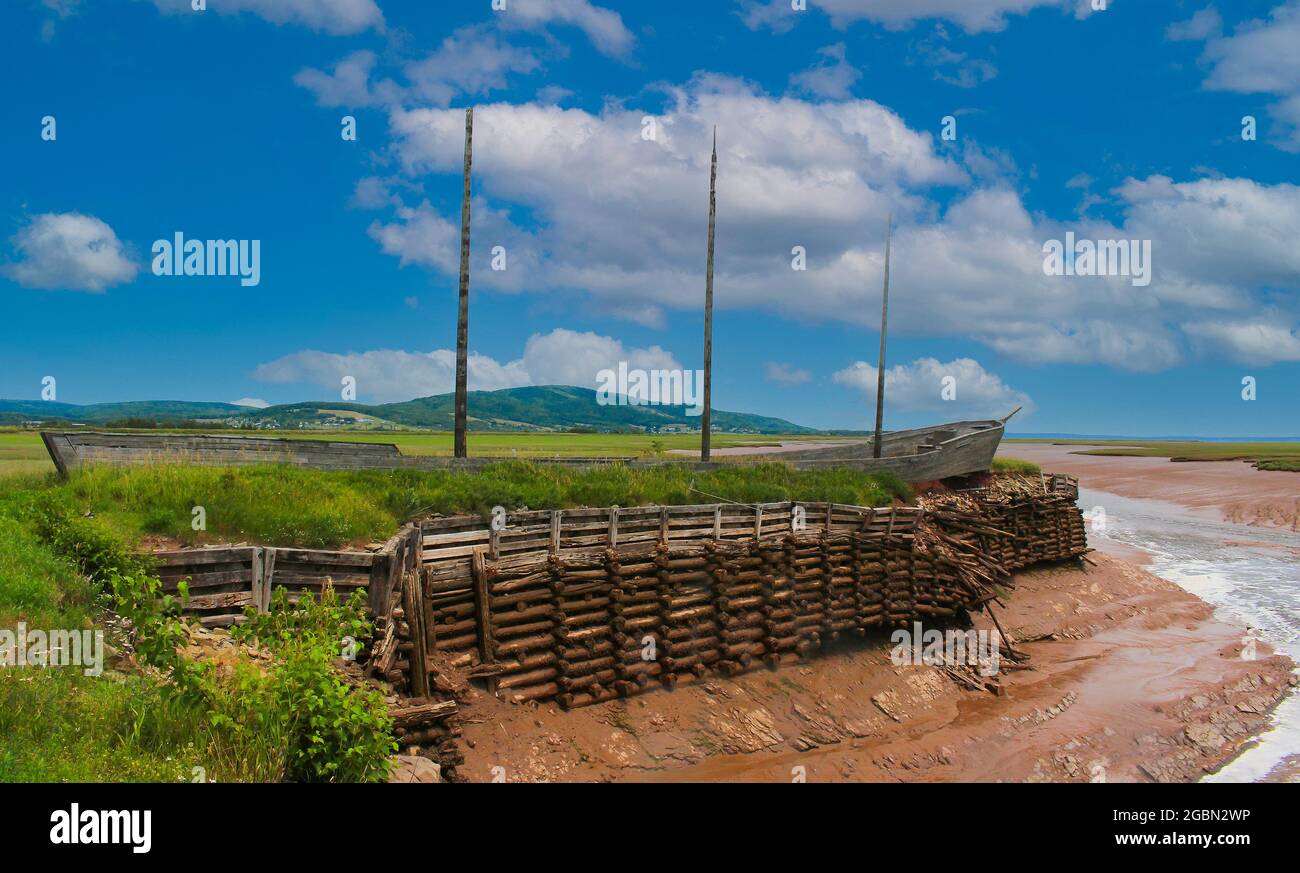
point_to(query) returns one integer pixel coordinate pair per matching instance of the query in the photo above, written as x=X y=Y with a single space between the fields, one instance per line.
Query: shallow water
x=1252 y=575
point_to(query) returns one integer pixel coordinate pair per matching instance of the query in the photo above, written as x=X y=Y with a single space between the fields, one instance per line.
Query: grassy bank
x=68 y=563
x=162 y=715
x=1015 y=465
x=1266 y=456
x=326 y=509
x=60 y=725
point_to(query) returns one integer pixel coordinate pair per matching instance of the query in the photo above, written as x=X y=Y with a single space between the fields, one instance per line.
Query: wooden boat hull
x=919 y=455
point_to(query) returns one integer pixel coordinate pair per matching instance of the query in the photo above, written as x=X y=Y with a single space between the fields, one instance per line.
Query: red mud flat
x=1130 y=679
x=1233 y=490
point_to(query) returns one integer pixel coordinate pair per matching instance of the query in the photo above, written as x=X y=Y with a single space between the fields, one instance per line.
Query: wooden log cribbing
x=587 y=605
x=1014 y=521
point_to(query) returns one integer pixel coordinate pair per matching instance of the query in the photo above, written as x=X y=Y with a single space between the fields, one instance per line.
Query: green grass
x=1015 y=465
x=290 y=506
x=23 y=452
x=60 y=725
x=1266 y=456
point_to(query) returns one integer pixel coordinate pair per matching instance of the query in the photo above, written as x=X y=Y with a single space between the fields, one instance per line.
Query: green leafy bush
x=336 y=732
x=298 y=719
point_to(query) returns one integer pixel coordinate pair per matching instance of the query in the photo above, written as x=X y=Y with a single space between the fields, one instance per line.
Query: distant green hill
x=547 y=407
x=17 y=411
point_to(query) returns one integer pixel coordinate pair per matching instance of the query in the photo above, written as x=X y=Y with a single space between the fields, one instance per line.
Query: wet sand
x=1130 y=678
x=1232 y=490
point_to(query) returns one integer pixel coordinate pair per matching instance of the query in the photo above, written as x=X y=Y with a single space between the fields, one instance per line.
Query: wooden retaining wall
x=590 y=604
x=224 y=580
x=587 y=605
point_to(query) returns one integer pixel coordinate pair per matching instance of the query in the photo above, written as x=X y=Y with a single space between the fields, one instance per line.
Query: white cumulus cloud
x=561 y=357
x=70 y=251
x=1251 y=342
x=338 y=17
x=832 y=76
x=786 y=374
x=971 y=15
x=1259 y=57
x=924 y=385
x=604 y=27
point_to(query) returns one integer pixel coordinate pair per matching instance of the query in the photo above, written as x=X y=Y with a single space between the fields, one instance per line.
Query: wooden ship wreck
x=921 y=455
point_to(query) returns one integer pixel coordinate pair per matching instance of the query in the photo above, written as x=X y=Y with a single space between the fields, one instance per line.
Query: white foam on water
x=1251 y=575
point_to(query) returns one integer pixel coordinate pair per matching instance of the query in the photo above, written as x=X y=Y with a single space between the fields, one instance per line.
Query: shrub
x=300 y=718
x=335 y=732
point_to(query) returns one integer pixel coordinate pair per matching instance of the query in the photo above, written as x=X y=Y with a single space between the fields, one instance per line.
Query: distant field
x=21 y=451
x=1267 y=456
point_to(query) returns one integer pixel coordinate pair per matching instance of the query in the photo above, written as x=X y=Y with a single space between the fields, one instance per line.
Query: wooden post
x=258 y=578
x=413 y=603
x=880 y=364
x=462 y=319
x=380 y=584
x=706 y=423
x=613 y=527
x=487 y=645
x=268 y=579
x=555 y=531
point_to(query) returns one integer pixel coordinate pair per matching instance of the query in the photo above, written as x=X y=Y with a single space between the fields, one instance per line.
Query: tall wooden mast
x=880 y=364
x=707 y=422
x=462 y=320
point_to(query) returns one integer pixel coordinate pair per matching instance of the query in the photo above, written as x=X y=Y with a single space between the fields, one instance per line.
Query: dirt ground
x=1129 y=679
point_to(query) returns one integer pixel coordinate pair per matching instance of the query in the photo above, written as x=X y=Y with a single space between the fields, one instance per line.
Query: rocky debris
x=1039 y=716
x=662 y=745
x=1205 y=737
x=745 y=730
x=414 y=768
x=1259 y=704
x=818 y=729
x=216 y=646
x=887 y=702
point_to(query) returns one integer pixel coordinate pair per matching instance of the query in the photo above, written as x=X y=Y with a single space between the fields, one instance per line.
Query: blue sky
x=1122 y=123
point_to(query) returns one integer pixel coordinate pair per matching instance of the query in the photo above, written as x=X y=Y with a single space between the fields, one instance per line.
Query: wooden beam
x=487 y=645
x=462 y=319
x=413 y=602
x=880 y=363
x=706 y=422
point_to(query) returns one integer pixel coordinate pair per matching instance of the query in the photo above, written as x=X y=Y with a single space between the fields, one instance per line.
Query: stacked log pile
x=637 y=603
x=429 y=726
x=1012 y=522
x=586 y=606
x=769 y=564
